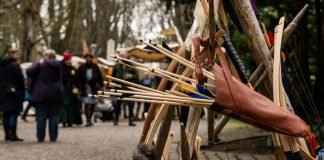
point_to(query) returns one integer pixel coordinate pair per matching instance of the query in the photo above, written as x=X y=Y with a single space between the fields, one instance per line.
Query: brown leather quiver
x=236 y=100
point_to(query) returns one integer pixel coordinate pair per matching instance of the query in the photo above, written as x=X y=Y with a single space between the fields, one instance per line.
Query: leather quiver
x=235 y=99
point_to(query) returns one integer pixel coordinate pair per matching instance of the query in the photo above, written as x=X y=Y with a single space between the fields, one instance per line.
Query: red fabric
x=271 y=38
x=309 y=142
x=67 y=56
x=313 y=139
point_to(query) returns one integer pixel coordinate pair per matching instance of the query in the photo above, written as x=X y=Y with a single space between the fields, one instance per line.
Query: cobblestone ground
x=103 y=141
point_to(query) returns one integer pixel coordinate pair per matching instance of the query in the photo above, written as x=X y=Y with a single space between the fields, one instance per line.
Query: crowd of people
x=59 y=92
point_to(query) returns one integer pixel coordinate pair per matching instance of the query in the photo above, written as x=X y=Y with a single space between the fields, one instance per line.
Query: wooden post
x=185 y=155
x=164 y=132
x=161 y=113
x=255 y=39
x=192 y=127
x=219 y=126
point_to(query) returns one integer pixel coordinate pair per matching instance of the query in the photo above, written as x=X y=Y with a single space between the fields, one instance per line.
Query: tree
x=182 y=14
x=319 y=85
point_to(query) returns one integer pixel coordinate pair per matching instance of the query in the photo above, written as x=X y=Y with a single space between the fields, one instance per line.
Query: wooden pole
x=161 y=114
x=292 y=26
x=212 y=31
x=162 y=110
x=185 y=155
x=192 y=127
x=254 y=35
x=276 y=86
x=197 y=147
x=164 y=130
x=153 y=107
x=219 y=127
x=287 y=32
x=169 y=118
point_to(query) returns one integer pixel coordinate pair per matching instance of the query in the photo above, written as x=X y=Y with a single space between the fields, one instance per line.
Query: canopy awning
x=141 y=52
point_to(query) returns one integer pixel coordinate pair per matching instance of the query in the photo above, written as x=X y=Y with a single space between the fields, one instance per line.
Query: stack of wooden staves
x=222 y=86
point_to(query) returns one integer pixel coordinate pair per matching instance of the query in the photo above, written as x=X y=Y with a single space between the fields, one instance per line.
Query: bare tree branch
x=6 y=4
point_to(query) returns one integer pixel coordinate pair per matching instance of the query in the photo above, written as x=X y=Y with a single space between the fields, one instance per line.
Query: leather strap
x=228 y=76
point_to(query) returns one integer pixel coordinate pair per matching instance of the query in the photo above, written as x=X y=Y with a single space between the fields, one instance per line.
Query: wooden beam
x=164 y=130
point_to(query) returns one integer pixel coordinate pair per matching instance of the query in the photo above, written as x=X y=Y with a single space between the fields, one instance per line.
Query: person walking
x=28 y=99
x=130 y=75
x=90 y=81
x=12 y=93
x=70 y=112
x=47 y=94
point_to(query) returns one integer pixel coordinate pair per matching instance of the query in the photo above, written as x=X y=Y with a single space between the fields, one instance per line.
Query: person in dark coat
x=12 y=93
x=47 y=94
x=70 y=112
x=90 y=81
x=130 y=75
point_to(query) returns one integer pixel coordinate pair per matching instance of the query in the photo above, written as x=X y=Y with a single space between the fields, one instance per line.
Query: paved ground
x=100 y=142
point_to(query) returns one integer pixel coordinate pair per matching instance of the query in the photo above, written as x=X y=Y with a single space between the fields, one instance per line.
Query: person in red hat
x=70 y=112
x=67 y=57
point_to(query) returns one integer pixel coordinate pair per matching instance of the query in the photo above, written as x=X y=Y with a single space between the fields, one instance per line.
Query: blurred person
x=130 y=75
x=12 y=93
x=28 y=99
x=90 y=81
x=147 y=81
x=70 y=112
x=47 y=94
x=29 y=87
